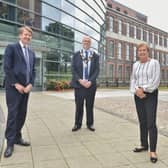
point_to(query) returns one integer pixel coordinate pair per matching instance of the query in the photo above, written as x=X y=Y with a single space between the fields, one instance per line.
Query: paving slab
x=53 y=145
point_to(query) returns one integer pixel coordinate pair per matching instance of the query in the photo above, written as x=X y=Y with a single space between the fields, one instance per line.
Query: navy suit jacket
x=77 y=69
x=15 y=65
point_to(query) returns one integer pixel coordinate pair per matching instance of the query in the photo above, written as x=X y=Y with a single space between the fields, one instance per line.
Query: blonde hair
x=143 y=45
x=21 y=29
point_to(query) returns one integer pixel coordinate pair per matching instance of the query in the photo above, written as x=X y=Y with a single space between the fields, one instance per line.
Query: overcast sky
x=155 y=10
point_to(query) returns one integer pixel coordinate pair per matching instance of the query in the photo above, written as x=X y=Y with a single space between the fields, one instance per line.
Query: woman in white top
x=144 y=84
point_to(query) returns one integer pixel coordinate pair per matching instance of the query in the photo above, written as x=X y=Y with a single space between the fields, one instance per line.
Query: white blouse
x=145 y=75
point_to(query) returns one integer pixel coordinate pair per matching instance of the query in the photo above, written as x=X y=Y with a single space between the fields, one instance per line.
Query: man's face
x=25 y=37
x=86 y=42
x=143 y=54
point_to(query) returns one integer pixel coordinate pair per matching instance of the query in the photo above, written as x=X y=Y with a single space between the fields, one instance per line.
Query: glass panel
x=38 y=79
x=54 y=14
x=7 y=12
x=1 y=72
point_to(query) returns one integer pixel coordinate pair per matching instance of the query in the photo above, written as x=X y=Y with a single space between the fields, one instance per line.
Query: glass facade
x=58 y=26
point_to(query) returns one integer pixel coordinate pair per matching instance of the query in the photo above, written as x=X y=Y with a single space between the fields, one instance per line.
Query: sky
x=155 y=10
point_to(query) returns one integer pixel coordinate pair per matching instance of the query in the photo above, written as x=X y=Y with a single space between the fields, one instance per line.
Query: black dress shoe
x=8 y=152
x=75 y=128
x=140 y=149
x=22 y=142
x=91 y=128
x=153 y=159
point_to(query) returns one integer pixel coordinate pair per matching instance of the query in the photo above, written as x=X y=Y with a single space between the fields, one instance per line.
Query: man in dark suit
x=19 y=68
x=85 y=69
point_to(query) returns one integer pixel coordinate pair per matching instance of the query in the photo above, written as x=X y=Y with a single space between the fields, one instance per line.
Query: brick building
x=125 y=28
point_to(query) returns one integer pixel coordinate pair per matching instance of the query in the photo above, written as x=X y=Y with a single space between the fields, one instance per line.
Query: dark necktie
x=86 y=65
x=26 y=55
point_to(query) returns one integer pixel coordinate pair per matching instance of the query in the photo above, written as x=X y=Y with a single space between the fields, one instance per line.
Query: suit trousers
x=17 y=109
x=88 y=95
x=146 y=110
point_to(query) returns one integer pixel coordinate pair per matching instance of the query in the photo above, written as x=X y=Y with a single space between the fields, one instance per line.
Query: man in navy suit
x=85 y=70
x=19 y=68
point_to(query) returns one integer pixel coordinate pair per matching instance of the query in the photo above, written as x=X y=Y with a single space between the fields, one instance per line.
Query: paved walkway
x=53 y=145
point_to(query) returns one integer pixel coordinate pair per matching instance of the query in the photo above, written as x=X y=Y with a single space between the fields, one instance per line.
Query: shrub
x=58 y=85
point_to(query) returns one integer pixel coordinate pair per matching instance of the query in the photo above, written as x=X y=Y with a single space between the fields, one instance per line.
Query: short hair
x=143 y=45
x=21 y=29
x=86 y=37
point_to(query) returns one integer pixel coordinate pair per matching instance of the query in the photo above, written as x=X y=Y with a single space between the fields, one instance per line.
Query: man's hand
x=88 y=84
x=19 y=87
x=28 y=88
x=85 y=83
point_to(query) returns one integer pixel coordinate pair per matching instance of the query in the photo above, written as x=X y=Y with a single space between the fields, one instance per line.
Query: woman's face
x=143 y=54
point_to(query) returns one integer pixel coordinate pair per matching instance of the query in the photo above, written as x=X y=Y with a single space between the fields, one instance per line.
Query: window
x=119 y=26
x=127 y=52
x=111 y=71
x=131 y=31
x=160 y=57
x=111 y=49
x=117 y=8
x=128 y=29
x=156 y=39
x=120 y=72
x=119 y=50
x=164 y=59
x=141 y=34
x=152 y=54
x=167 y=59
x=163 y=74
x=135 y=54
x=160 y=41
x=165 y=42
x=111 y=23
x=157 y=55
x=147 y=36
x=7 y=12
x=135 y=32
x=151 y=37
x=109 y=5
x=144 y=35
x=125 y=12
x=127 y=73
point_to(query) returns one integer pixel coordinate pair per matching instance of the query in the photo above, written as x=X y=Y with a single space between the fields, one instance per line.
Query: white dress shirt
x=23 y=47
x=145 y=75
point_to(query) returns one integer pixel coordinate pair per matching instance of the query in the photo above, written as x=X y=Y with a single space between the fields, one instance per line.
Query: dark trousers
x=17 y=109
x=87 y=95
x=146 y=109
